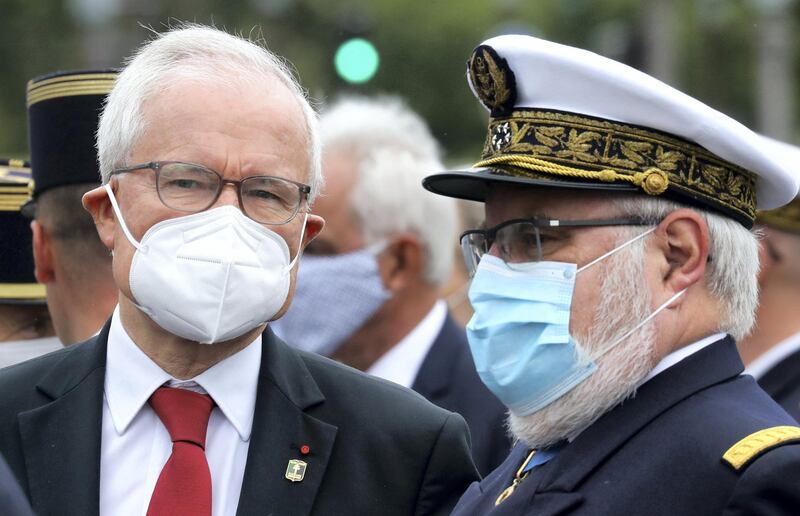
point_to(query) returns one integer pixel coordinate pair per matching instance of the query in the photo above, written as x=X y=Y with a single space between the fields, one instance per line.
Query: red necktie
x=184 y=485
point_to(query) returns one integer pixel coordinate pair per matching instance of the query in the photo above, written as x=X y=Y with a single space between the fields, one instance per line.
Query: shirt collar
x=131 y=377
x=402 y=362
x=679 y=354
x=773 y=356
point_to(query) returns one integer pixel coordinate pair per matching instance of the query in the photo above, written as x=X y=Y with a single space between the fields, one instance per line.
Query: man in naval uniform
x=612 y=277
x=25 y=327
x=772 y=351
x=71 y=262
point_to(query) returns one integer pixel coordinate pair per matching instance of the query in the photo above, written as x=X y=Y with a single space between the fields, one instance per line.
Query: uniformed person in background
x=63 y=113
x=25 y=327
x=772 y=351
x=614 y=274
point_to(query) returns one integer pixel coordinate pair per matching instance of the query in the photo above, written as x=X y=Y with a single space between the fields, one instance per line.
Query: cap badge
x=501 y=136
x=493 y=80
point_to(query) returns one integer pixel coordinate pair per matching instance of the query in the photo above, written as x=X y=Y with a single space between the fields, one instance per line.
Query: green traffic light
x=356 y=60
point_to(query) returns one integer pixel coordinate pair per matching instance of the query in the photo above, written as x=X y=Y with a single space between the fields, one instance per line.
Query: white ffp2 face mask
x=211 y=276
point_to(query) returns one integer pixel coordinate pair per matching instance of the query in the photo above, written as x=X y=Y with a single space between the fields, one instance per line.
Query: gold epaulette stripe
x=741 y=453
x=70 y=90
x=22 y=291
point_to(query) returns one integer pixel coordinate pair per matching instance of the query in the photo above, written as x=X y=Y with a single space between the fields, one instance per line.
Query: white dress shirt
x=136 y=445
x=402 y=363
x=16 y=351
x=761 y=365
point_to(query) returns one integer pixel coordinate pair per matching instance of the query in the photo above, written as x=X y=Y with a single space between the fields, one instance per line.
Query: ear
x=44 y=268
x=314 y=226
x=97 y=203
x=685 y=246
x=402 y=262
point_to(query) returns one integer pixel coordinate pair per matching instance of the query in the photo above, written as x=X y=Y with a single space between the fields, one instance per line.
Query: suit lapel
x=435 y=376
x=61 y=440
x=280 y=428
x=714 y=364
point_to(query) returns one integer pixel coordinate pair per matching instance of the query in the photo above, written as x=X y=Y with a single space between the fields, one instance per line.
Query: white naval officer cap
x=566 y=117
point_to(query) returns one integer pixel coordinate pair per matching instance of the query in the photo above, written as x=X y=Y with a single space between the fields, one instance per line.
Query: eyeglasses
x=527 y=240
x=193 y=188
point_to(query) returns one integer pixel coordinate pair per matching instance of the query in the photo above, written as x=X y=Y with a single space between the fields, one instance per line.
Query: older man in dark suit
x=186 y=403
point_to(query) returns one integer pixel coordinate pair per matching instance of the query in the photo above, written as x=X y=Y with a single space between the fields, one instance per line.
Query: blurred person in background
x=368 y=291
x=25 y=327
x=613 y=275
x=72 y=263
x=186 y=403
x=772 y=351
x=455 y=290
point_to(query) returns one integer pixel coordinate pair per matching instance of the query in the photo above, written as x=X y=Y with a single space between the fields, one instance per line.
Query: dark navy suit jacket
x=660 y=453
x=376 y=448
x=448 y=379
x=12 y=500
x=782 y=382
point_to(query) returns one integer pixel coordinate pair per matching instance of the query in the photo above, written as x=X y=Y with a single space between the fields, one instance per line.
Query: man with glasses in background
x=186 y=403
x=614 y=273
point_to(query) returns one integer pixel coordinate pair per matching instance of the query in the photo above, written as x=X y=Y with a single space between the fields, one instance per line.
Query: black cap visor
x=473 y=184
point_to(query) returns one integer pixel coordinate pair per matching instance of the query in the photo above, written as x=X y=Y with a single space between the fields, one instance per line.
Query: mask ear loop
x=641 y=323
x=300 y=246
x=618 y=248
x=121 y=219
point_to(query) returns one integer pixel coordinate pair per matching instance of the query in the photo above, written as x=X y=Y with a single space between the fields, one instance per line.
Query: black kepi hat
x=17 y=282
x=63 y=113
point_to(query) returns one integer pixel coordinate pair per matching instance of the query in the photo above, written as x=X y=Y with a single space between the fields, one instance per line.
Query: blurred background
x=736 y=55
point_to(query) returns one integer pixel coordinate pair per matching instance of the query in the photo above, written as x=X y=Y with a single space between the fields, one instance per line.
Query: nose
x=228 y=196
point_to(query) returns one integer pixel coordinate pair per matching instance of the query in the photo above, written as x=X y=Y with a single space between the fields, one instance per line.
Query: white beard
x=625 y=303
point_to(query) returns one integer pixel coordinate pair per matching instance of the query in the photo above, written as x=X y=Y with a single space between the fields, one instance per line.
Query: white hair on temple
x=394 y=151
x=198 y=53
x=732 y=273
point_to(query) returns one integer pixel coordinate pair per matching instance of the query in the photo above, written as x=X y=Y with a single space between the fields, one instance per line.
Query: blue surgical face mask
x=519 y=335
x=334 y=297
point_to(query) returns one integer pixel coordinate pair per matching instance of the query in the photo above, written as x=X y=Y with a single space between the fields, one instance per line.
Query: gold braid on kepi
x=17 y=282
x=565 y=118
x=570 y=146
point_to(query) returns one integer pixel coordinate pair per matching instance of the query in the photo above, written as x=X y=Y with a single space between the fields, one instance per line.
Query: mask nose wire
x=121 y=219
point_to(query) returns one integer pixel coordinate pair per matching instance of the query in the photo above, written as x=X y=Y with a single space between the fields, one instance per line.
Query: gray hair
x=394 y=151
x=193 y=52
x=731 y=274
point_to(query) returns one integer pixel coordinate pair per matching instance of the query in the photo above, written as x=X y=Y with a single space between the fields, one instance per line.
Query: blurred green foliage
x=423 y=46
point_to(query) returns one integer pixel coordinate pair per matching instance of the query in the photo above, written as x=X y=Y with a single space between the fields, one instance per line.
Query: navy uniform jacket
x=782 y=382
x=661 y=453
x=448 y=379
x=376 y=447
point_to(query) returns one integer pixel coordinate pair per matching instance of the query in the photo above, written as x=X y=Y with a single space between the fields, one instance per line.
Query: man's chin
x=618 y=375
